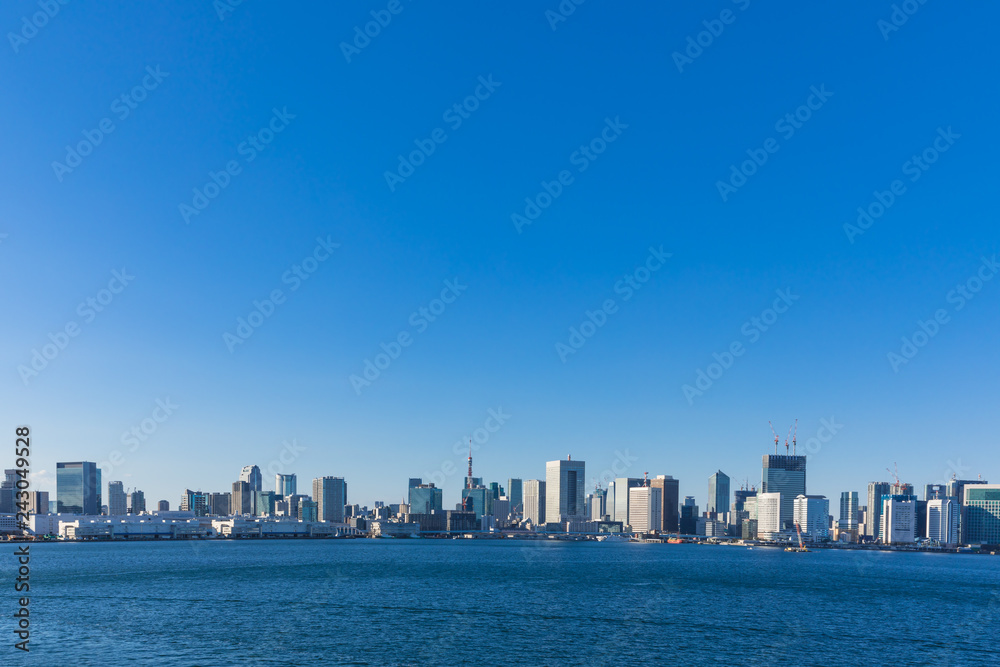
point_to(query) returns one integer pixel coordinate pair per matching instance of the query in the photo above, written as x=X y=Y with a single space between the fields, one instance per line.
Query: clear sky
x=624 y=134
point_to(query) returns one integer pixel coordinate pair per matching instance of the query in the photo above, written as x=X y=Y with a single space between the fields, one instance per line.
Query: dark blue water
x=504 y=602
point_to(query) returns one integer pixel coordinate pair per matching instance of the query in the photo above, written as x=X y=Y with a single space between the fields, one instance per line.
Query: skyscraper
x=981 y=514
x=251 y=475
x=284 y=485
x=195 y=501
x=942 y=520
x=117 y=500
x=769 y=513
x=669 y=492
x=137 y=502
x=515 y=493
x=622 y=487
x=598 y=504
x=38 y=502
x=848 y=511
x=534 y=501
x=899 y=519
x=77 y=490
x=812 y=514
x=932 y=491
x=163 y=506
x=242 y=499
x=564 y=485
x=689 y=516
x=645 y=509
x=873 y=517
x=718 y=492
x=784 y=474
x=425 y=498
x=330 y=495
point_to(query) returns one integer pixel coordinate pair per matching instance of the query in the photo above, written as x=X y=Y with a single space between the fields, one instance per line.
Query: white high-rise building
x=812 y=513
x=564 y=490
x=645 y=509
x=284 y=485
x=768 y=514
x=942 y=520
x=899 y=519
x=533 y=492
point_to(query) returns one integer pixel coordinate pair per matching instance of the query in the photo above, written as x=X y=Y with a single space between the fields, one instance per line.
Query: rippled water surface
x=499 y=602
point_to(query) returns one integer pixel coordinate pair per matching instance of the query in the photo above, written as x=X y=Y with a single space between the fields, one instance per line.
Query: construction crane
x=468 y=481
x=795 y=434
x=895 y=475
x=786 y=439
x=775 y=437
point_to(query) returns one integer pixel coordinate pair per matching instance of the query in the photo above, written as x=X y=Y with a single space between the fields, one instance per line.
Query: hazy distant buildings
x=330 y=495
x=425 y=498
x=534 y=501
x=564 y=490
x=812 y=514
x=899 y=519
x=784 y=474
x=136 y=502
x=597 y=503
x=251 y=475
x=873 y=516
x=981 y=514
x=942 y=520
x=718 y=493
x=117 y=499
x=669 y=492
x=78 y=488
x=163 y=506
x=646 y=509
x=284 y=485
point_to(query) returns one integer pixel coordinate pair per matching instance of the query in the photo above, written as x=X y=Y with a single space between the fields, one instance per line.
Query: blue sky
x=334 y=124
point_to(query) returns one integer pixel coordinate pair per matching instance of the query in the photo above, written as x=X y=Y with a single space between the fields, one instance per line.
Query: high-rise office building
x=534 y=501
x=163 y=506
x=308 y=510
x=981 y=514
x=496 y=490
x=689 y=517
x=194 y=501
x=8 y=492
x=251 y=475
x=77 y=488
x=645 y=509
x=899 y=519
x=718 y=492
x=330 y=495
x=621 y=487
x=769 y=513
x=740 y=498
x=425 y=498
x=669 y=492
x=515 y=493
x=942 y=520
x=784 y=474
x=932 y=491
x=901 y=489
x=848 y=511
x=117 y=499
x=956 y=488
x=873 y=517
x=478 y=500
x=38 y=502
x=564 y=490
x=414 y=481
x=219 y=504
x=136 y=502
x=597 y=503
x=812 y=514
x=284 y=485
x=242 y=500
x=265 y=503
